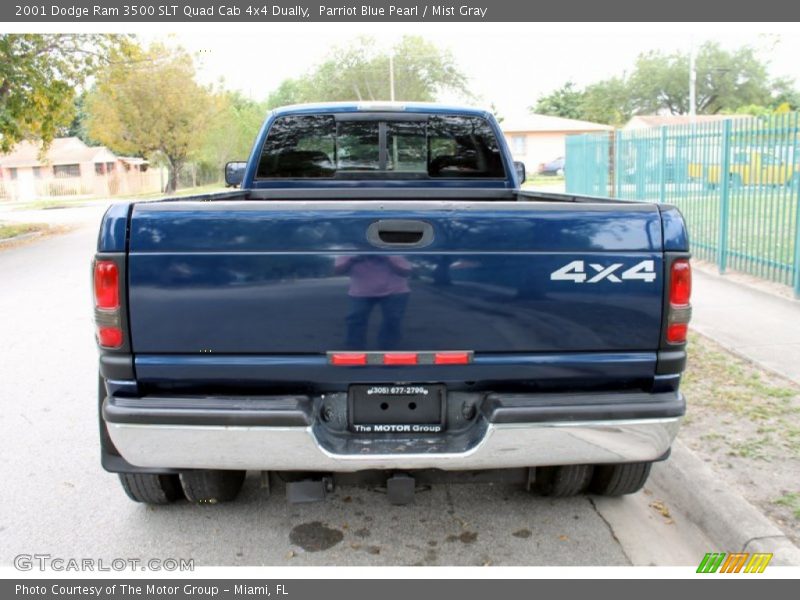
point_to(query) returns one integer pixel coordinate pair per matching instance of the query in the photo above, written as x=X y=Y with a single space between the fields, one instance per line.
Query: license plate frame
x=387 y=408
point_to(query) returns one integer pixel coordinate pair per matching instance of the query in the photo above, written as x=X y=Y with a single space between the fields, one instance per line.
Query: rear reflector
x=109 y=337
x=451 y=358
x=348 y=359
x=680 y=283
x=676 y=333
x=400 y=358
x=106 y=284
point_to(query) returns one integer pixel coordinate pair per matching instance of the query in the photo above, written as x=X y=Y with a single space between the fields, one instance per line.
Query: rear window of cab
x=358 y=146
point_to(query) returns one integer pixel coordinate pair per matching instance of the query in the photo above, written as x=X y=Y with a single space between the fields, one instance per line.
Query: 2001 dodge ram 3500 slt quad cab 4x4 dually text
x=381 y=303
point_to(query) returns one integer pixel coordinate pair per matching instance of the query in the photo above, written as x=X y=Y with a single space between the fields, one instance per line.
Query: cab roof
x=383 y=107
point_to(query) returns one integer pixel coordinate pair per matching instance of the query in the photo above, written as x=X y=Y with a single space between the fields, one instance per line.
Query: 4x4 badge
x=576 y=271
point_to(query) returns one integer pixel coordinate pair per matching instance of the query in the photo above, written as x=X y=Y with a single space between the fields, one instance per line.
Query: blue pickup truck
x=380 y=302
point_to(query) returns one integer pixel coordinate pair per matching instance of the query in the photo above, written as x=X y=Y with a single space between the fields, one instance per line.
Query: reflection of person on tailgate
x=375 y=280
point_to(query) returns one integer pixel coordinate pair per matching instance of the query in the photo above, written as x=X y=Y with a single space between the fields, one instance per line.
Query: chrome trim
x=297 y=448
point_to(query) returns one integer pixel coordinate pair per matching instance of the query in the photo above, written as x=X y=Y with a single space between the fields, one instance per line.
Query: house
x=537 y=139
x=72 y=168
x=647 y=121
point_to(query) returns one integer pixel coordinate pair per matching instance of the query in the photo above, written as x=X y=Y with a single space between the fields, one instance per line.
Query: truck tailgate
x=298 y=277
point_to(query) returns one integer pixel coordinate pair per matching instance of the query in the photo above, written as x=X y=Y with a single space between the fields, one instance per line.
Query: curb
x=730 y=521
x=19 y=238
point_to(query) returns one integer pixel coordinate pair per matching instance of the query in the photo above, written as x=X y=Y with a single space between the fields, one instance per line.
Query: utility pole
x=391 y=97
x=391 y=76
x=692 y=82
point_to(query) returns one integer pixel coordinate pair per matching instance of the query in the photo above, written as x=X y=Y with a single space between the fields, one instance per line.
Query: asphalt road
x=56 y=499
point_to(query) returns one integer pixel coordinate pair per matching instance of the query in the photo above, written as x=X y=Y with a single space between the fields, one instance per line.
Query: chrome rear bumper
x=299 y=448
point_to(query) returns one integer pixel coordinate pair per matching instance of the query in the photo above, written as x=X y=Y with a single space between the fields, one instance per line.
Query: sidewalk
x=78 y=215
x=757 y=325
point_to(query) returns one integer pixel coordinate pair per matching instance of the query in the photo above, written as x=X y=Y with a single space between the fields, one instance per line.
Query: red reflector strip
x=348 y=359
x=400 y=358
x=451 y=358
x=109 y=337
x=352 y=359
x=676 y=333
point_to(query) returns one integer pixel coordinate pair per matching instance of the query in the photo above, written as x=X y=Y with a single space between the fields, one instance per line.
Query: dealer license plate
x=397 y=408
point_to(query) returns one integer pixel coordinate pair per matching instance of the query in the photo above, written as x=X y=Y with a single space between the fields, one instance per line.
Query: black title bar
x=29 y=11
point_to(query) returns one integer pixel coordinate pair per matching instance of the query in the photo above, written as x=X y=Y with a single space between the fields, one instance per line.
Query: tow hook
x=468 y=411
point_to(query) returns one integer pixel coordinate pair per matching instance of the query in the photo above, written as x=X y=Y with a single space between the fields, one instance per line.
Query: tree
x=39 y=77
x=496 y=112
x=785 y=95
x=727 y=81
x=153 y=107
x=292 y=91
x=422 y=71
x=230 y=131
x=77 y=127
x=608 y=101
x=660 y=83
x=566 y=101
x=360 y=71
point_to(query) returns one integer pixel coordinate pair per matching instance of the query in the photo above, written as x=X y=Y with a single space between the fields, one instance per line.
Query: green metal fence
x=586 y=163
x=737 y=183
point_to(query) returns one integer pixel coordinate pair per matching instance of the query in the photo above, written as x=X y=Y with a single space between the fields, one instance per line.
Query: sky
x=509 y=65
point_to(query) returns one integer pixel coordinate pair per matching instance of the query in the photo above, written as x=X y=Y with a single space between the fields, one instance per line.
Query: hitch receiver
x=400 y=489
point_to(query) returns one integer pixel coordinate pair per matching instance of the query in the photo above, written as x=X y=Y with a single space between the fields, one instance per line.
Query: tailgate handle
x=400 y=233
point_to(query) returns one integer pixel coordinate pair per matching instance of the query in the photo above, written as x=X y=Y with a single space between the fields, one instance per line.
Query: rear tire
x=211 y=487
x=618 y=480
x=151 y=489
x=560 y=482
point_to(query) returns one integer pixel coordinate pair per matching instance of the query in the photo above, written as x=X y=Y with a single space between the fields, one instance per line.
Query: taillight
x=110 y=337
x=106 y=304
x=676 y=332
x=680 y=283
x=679 y=309
x=106 y=284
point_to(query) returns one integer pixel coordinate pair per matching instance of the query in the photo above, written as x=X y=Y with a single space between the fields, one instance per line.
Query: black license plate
x=397 y=408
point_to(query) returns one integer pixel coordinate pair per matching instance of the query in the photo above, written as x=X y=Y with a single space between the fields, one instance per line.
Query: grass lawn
x=51 y=204
x=54 y=203
x=745 y=422
x=12 y=230
x=542 y=180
